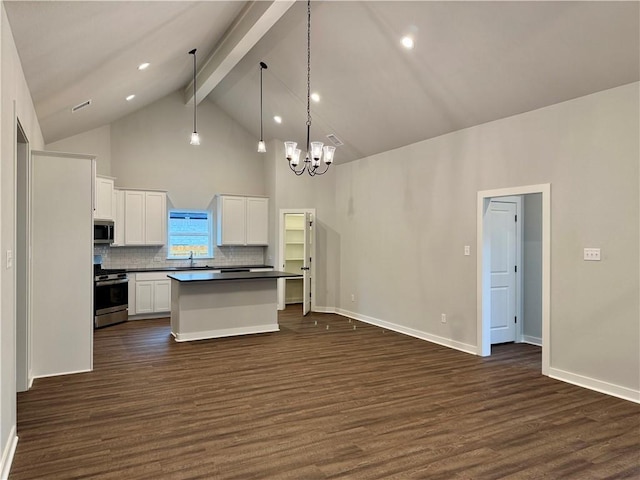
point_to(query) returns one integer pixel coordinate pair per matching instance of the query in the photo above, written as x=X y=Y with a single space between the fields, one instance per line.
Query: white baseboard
x=447 y=342
x=532 y=340
x=60 y=373
x=324 y=309
x=594 y=384
x=7 y=454
x=225 y=332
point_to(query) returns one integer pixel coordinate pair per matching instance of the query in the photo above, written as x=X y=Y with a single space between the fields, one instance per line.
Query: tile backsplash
x=154 y=257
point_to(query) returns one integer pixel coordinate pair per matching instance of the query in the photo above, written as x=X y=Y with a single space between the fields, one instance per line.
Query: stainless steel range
x=111 y=296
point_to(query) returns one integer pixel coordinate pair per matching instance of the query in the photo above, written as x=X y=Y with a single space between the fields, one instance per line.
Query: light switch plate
x=467 y=250
x=9 y=259
x=592 y=254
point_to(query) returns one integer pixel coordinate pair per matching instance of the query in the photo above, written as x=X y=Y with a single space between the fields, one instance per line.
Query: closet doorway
x=296 y=254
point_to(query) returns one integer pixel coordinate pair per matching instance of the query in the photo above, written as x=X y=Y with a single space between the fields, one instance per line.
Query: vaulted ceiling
x=473 y=62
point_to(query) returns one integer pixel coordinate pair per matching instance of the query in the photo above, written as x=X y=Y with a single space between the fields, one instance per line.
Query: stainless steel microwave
x=103 y=231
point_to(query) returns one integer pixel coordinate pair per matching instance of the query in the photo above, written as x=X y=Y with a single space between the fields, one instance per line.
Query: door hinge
x=515 y=319
x=515 y=269
x=516 y=218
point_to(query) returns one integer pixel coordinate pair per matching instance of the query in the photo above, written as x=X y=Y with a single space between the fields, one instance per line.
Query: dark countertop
x=209 y=276
x=196 y=269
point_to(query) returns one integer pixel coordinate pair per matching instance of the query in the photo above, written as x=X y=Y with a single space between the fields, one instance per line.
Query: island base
x=203 y=310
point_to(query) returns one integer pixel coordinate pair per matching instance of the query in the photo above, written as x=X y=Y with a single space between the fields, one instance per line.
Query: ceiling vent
x=80 y=106
x=335 y=140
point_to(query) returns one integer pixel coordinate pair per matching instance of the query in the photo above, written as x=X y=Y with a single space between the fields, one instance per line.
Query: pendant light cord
x=262 y=67
x=308 y=75
x=195 y=103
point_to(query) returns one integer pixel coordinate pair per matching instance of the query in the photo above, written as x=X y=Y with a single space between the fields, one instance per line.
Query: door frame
x=280 y=257
x=483 y=302
x=517 y=200
x=21 y=261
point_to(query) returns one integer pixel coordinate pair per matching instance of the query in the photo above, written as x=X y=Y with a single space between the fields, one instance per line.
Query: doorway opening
x=295 y=255
x=487 y=302
x=22 y=223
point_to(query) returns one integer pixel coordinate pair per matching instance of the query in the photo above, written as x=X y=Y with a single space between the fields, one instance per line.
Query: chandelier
x=316 y=152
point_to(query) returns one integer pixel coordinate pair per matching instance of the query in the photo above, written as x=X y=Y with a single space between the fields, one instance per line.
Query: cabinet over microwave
x=103 y=231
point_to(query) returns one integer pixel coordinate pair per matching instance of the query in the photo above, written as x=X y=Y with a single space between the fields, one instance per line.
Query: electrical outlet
x=592 y=254
x=443 y=318
x=467 y=250
x=9 y=259
x=353 y=297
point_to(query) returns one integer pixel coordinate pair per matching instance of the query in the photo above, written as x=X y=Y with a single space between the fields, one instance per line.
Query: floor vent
x=81 y=106
x=335 y=140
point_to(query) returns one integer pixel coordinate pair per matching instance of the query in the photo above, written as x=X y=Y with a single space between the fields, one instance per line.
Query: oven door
x=111 y=301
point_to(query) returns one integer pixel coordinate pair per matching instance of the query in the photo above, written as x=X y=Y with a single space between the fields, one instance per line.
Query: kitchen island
x=213 y=305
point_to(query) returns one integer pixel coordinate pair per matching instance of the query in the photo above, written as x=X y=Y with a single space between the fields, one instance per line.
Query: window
x=190 y=231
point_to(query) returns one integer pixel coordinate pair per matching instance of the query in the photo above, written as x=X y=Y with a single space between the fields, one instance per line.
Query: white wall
x=150 y=149
x=96 y=142
x=13 y=91
x=403 y=218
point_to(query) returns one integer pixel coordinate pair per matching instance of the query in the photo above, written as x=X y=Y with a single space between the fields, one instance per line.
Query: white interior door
x=503 y=271
x=308 y=259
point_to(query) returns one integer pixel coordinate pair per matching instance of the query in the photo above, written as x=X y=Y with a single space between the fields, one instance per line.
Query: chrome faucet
x=191 y=258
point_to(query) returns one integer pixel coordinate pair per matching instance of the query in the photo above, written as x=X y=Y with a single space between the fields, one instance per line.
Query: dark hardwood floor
x=312 y=402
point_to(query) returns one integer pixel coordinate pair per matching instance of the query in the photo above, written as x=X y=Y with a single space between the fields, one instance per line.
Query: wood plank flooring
x=318 y=401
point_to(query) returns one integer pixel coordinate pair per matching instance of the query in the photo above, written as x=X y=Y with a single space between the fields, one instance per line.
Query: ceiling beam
x=252 y=24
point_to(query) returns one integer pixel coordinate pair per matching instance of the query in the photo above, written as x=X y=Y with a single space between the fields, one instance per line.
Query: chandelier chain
x=308 y=62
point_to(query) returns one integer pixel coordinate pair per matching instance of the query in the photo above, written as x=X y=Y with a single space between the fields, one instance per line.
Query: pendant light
x=315 y=151
x=262 y=148
x=195 y=138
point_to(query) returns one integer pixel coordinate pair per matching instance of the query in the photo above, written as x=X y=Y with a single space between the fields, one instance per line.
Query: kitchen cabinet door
x=162 y=296
x=145 y=218
x=104 y=199
x=230 y=220
x=134 y=217
x=144 y=297
x=257 y=226
x=155 y=218
x=118 y=218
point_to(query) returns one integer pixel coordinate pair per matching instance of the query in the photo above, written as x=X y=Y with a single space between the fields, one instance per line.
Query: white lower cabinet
x=152 y=293
x=162 y=296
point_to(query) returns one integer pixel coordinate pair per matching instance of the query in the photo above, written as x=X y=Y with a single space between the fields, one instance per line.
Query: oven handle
x=101 y=283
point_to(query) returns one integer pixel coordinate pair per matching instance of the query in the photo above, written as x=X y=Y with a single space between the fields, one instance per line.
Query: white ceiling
x=473 y=62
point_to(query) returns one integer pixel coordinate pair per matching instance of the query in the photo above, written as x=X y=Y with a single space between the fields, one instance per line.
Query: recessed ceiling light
x=407 y=42
x=315 y=97
x=277 y=119
x=143 y=66
x=130 y=97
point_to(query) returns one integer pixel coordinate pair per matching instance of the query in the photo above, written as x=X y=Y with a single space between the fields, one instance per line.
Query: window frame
x=208 y=235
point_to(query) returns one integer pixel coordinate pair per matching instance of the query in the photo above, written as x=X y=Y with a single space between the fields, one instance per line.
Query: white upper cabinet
x=242 y=220
x=118 y=218
x=145 y=217
x=104 y=198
